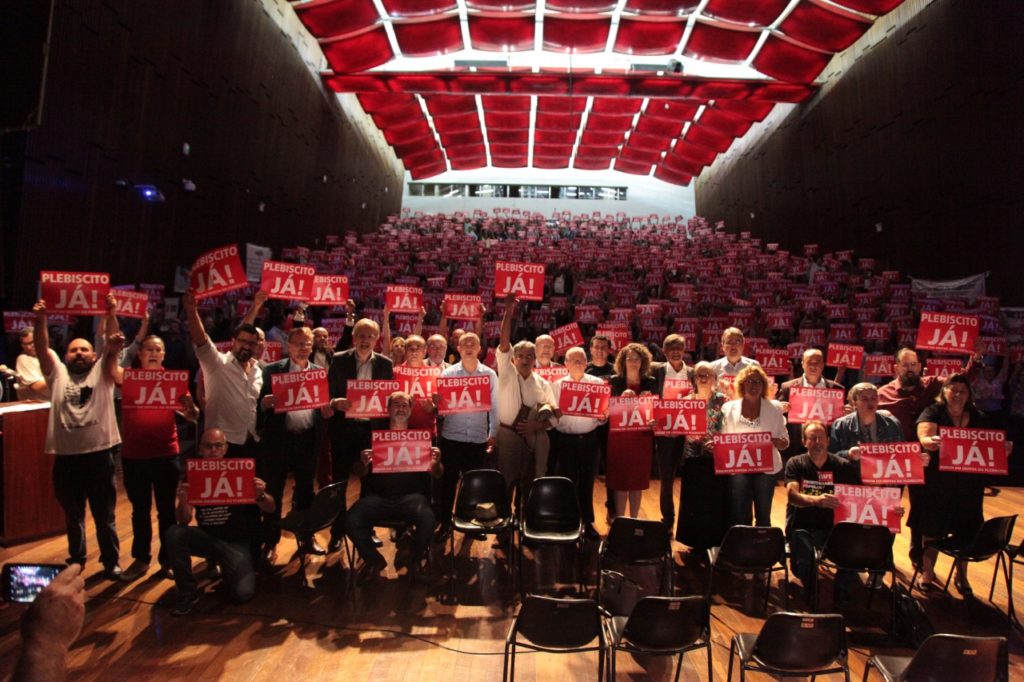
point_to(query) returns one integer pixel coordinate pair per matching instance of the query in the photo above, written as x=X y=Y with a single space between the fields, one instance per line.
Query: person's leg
x=345 y=450
x=70 y=490
x=455 y=460
x=621 y=501
x=235 y=560
x=801 y=557
x=178 y=541
x=102 y=495
x=166 y=474
x=667 y=452
x=764 y=491
x=415 y=510
x=359 y=524
x=303 y=465
x=275 y=467
x=138 y=485
x=741 y=492
x=635 y=497
x=511 y=452
x=928 y=557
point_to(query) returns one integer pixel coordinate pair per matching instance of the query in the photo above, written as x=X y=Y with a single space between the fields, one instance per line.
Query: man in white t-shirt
x=82 y=433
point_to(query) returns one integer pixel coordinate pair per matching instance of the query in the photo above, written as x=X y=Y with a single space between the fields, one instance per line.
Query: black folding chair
x=662 y=626
x=1011 y=554
x=947 y=657
x=320 y=515
x=794 y=644
x=751 y=550
x=560 y=626
x=551 y=516
x=636 y=542
x=859 y=548
x=482 y=486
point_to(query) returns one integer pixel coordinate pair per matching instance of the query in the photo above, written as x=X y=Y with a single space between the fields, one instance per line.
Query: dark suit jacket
x=658 y=371
x=783 y=393
x=270 y=423
x=618 y=384
x=343 y=368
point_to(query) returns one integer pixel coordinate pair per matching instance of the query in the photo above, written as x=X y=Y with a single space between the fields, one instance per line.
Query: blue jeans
x=234 y=559
x=413 y=509
x=745 y=489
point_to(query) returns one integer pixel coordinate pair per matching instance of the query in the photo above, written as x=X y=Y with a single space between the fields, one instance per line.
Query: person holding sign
x=630 y=452
x=575 y=440
x=864 y=425
x=82 y=432
x=813 y=364
x=424 y=413
x=669 y=449
x=754 y=412
x=227 y=535
x=950 y=503
x=734 y=360
x=149 y=452
x=399 y=495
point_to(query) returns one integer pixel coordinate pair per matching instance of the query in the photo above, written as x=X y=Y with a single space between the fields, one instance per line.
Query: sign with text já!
x=868 y=505
x=462 y=306
x=632 y=413
x=287 y=281
x=744 y=453
x=329 y=290
x=217 y=271
x=676 y=389
x=153 y=389
x=972 y=451
x=401 y=298
x=368 y=398
x=680 y=417
x=891 y=464
x=220 y=481
x=303 y=390
x=461 y=395
x=584 y=398
x=844 y=355
x=130 y=303
x=79 y=293
x=418 y=382
x=947 y=332
x=566 y=337
x=774 y=361
x=815 y=404
x=523 y=280
x=401 y=451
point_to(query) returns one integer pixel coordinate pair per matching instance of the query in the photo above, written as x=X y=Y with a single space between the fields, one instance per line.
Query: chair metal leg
x=945 y=586
x=785 y=584
x=767 y=589
x=679 y=667
x=867 y=669
x=708 y=647
x=999 y=562
x=732 y=654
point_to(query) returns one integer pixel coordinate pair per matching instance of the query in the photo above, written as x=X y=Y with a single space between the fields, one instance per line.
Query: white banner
x=254 y=257
x=967 y=287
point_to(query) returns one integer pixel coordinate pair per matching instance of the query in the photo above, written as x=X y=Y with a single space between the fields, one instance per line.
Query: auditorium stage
x=393 y=630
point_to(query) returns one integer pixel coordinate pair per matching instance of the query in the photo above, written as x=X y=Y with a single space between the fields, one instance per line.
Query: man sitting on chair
x=393 y=497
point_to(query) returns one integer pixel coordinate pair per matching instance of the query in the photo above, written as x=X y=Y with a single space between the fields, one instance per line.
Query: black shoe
x=334 y=545
x=311 y=546
x=590 y=533
x=185 y=603
x=112 y=572
x=377 y=542
x=370 y=571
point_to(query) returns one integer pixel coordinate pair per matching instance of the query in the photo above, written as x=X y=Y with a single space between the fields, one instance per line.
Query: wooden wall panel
x=129 y=82
x=921 y=134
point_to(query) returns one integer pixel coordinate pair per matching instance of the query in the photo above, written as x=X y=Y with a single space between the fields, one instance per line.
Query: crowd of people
x=663 y=307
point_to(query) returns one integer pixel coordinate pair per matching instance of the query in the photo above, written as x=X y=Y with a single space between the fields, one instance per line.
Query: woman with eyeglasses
x=754 y=412
x=703 y=497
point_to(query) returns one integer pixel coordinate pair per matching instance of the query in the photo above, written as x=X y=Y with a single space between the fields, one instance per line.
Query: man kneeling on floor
x=400 y=496
x=226 y=535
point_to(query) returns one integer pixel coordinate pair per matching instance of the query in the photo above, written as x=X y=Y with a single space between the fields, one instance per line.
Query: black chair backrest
x=859 y=546
x=993 y=536
x=558 y=623
x=801 y=642
x=326 y=506
x=480 y=486
x=667 y=623
x=552 y=506
x=752 y=547
x=956 y=657
x=636 y=540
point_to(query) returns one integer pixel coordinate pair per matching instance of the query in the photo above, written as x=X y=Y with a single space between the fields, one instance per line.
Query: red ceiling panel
x=751 y=110
x=426 y=158
x=562 y=33
x=508 y=161
x=637 y=36
x=508 y=136
x=591 y=164
x=552 y=149
x=397 y=115
x=562 y=105
x=509 y=120
x=661 y=127
x=681 y=165
x=606 y=123
x=600 y=138
x=698 y=134
x=407 y=148
x=592 y=152
x=502 y=149
x=656 y=143
x=502 y=33
x=712 y=43
x=671 y=109
x=695 y=152
x=646 y=156
x=418 y=8
x=424 y=172
x=506 y=103
x=468 y=163
x=788 y=62
x=429 y=38
x=824 y=29
x=755 y=12
x=462 y=137
x=337 y=17
x=502 y=5
x=674 y=8
x=547 y=121
x=446 y=105
x=723 y=123
x=457 y=123
x=550 y=161
x=464 y=151
x=412 y=130
x=871 y=6
x=580 y=6
x=615 y=105
x=358 y=53
x=668 y=175
x=373 y=102
x=555 y=137
x=632 y=167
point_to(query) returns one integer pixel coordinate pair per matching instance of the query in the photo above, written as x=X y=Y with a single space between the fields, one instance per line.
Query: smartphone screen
x=22 y=582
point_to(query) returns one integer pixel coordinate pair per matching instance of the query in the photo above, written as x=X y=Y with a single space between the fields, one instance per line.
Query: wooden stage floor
x=394 y=630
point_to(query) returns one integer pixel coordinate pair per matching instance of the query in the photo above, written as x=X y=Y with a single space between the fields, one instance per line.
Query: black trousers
x=78 y=479
x=577 y=461
x=458 y=458
x=669 y=452
x=347 y=443
x=146 y=480
x=291 y=452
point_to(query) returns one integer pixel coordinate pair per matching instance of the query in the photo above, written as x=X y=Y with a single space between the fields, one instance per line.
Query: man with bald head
x=82 y=433
x=813 y=364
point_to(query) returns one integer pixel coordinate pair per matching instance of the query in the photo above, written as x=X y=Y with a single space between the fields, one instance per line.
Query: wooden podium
x=29 y=507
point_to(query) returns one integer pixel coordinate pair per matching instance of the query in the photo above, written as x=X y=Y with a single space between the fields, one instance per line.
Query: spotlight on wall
x=150 y=193
x=122 y=183
x=187 y=185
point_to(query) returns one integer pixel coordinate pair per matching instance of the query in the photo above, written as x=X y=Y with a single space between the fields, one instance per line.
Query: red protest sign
x=566 y=337
x=812 y=337
x=943 y=367
x=744 y=453
x=300 y=390
x=272 y=351
x=879 y=365
x=680 y=417
x=815 y=404
x=368 y=399
x=891 y=464
x=845 y=355
x=994 y=345
x=460 y=395
x=329 y=290
x=220 y=481
x=399 y=452
x=400 y=298
x=15 y=321
x=462 y=306
x=160 y=389
x=217 y=271
x=774 y=361
x=869 y=505
x=551 y=372
x=947 y=332
x=584 y=399
x=418 y=382
x=524 y=280
x=676 y=389
x=632 y=413
x=287 y=281
x=130 y=303
x=972 y=451
x=78 y=293
x=620 y=337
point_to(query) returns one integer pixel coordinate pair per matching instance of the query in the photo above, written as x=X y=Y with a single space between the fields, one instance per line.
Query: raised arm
x=195 y=324
x=505 y=340
x=385 y=332
x=258 y=301
x=41 y=338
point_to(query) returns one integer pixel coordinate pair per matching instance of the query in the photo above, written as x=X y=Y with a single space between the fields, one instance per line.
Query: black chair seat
x=531 y=537
x=750 y=550
x=551 y=516
x=662 y=626
x=947 y=657
x=792 y=644
x=891 y=667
